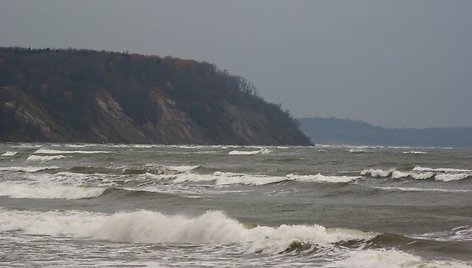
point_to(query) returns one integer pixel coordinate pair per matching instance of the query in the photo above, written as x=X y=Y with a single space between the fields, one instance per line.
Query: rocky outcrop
x=90 y=96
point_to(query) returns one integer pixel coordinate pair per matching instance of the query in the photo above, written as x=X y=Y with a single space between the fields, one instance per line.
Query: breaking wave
x=372 y=258
x=227 y=178
x=154 y=227
x=48 y=191
x=29 y=169
x=460 y=233
x=50 y=151
x=421 y=173
x=43 y=158
x=261 y=151
x=9 y=153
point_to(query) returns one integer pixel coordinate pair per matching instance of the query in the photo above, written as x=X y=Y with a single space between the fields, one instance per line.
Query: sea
x=116 y=205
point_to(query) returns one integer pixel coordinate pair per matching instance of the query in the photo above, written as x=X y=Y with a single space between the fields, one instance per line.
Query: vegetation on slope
x=91 y=96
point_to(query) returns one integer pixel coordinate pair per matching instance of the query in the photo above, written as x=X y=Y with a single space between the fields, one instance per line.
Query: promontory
x=68 y=95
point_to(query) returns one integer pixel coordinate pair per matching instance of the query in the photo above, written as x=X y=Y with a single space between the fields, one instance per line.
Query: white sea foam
x=446 y=170
x=419 y=173
x=422 y=176
x=414 y=152
x=48 y=191
x=418 y=189
x=27 y=168
x=390 y=258
x=224 y=178
x=261 y=151
x=181 y=168
x=460 y=233
x=357 y=150
x=399 y=174
x=9 y=153
x=51 y=151
x=228 y=178
x=376 y=173
x=322 y=178
x=44 y=158
x=153 y=227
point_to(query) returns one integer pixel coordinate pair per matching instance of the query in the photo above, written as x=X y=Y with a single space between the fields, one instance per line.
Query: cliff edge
x=95 y=96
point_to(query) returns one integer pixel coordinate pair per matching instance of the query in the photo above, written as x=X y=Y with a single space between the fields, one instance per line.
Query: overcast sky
x=395 y=63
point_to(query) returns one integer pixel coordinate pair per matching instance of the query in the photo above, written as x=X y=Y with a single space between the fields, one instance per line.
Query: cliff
x=91 y=96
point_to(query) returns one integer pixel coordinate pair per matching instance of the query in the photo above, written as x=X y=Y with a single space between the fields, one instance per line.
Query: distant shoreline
x=337 y=131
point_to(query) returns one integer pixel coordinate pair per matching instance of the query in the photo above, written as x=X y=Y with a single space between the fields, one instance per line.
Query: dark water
x=226 y=206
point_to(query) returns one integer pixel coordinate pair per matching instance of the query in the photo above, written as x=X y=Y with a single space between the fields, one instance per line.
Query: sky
x=393 y=63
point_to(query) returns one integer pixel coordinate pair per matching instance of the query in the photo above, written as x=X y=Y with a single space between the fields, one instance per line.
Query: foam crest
x=376 y=173
x=373 y=258
x=48 y=191
x=228 y=178
x=451 y=177
x=154 y=227
x=418 y=189
x=322 y=178
x=460 y=233
x=446 y=170
x=9 y=153
x=419 y=173
x=43 y=158
x=28 y=169
x=224 y=178
x=181 y=168
x=414 y=152
x=261 y=151
x=51 y=151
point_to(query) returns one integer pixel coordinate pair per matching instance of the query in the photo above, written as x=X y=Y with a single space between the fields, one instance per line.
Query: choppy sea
x=90 y=205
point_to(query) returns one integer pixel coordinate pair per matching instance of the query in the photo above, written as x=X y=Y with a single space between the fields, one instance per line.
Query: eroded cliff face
x=89 y=96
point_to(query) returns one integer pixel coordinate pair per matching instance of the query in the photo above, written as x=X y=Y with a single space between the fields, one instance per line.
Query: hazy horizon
x=393 y=64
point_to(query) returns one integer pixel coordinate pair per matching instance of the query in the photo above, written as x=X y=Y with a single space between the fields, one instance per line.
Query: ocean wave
x=372 y=258
x=460 y=233
x=43 y=158
x=418 y=189
x=51 y=151
x=261 y=151
x=28 y=169
x=9 y=153
x=414 y=152
x=322 y=178
x=420 y=173
x=48 y=191
x=228 y=178
x=153 y=227
x=446 y=170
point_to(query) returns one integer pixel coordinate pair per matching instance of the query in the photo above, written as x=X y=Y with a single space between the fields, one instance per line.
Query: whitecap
x=236 y=152
x=419 y=189
x=48 y=191
x=414 y=152
x=182 y=168
x=27 y=168
x=422 y=175
x=50 y=151
x=446 y=170
x=376 y=173
x=322 y=178
x=451 y=177
x=373 y=258
x=460 y=233
x=143 y=226
x=43 y=158
x=9 y=153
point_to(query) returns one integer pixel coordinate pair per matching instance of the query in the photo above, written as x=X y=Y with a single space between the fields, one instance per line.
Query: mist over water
x=92 y=205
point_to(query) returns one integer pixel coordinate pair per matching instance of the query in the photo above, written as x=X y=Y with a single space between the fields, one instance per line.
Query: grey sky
x=396 y=63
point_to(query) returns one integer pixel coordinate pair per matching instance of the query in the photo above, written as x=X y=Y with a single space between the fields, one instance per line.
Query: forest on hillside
x=221 y=107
